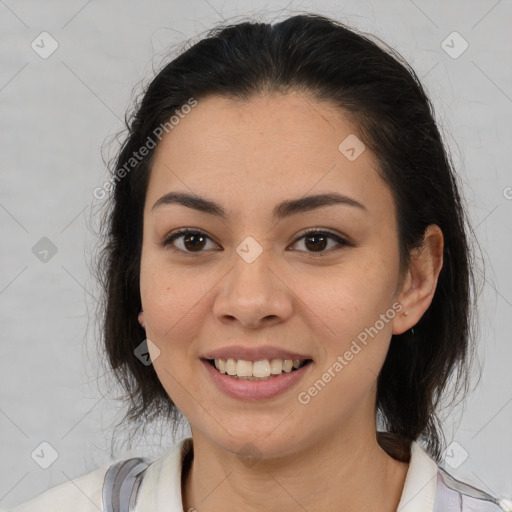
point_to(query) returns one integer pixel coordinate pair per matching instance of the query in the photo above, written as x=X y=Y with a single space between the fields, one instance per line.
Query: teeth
x=244 y=368
x=260 y=369
x=231 y=367
x=276 y=366
x=221 y=365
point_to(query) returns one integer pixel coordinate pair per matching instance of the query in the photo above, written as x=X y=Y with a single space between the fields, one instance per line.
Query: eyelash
x=187 y=231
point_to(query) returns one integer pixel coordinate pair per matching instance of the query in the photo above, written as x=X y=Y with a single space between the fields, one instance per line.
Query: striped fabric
x=121 y=484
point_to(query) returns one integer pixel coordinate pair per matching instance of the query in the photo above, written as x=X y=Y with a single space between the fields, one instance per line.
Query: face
x=316 y=279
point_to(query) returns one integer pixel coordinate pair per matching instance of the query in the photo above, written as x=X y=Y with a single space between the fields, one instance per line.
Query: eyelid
x=324 y=231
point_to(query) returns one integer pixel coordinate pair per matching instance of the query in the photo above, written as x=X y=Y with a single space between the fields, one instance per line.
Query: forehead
x=271 y=146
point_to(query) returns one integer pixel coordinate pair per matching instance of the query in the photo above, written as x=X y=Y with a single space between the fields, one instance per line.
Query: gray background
x=58 y=112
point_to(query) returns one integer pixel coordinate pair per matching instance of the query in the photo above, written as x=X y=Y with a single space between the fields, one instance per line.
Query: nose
x=253 y=295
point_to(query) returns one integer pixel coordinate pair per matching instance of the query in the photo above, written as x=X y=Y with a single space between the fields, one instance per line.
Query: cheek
x=169 y=295
x=172 y=307
x=355 y=306
x=355 y=347
x=351 y=295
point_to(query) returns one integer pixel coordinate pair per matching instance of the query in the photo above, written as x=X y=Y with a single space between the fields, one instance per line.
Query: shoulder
x=83 y=494
x=458 y=496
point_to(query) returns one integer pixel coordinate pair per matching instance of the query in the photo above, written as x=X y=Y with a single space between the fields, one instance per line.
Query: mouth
x=262 y=370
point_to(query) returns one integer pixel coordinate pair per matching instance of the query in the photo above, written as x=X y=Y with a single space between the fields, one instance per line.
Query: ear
x=421 y=280
x=141 y=319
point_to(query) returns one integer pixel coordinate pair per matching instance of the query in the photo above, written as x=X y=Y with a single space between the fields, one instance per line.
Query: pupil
x=317 y=246
x=192 y=236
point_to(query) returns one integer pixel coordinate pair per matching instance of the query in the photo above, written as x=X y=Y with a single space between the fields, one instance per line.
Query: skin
x=248 y=157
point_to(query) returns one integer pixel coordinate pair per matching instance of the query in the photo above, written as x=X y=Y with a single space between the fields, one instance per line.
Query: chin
x=252 y=445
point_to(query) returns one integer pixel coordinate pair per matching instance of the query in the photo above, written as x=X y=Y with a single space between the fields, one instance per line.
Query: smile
x=248 y=386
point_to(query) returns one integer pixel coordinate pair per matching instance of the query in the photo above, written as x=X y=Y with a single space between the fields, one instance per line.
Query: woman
x=286 y=265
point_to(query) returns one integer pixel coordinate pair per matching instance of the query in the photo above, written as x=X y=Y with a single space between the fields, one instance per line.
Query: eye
x=191 y=240
x=194 y=241
x=316 y=241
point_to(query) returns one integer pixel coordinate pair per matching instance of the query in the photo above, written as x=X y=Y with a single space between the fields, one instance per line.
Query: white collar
x=161 y=488
x=419 y=490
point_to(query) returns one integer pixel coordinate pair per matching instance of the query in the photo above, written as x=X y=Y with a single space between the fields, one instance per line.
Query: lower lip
x=256 y=390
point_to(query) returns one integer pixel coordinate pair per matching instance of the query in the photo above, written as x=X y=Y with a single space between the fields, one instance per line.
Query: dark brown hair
x=384 y=99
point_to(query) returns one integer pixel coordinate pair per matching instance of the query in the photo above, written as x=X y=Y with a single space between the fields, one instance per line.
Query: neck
x=350 y=470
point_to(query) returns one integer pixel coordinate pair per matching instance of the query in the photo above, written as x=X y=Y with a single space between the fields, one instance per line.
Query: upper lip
x=253 y=354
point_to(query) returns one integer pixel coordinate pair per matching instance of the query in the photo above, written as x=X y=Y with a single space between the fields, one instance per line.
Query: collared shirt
x=427 y=488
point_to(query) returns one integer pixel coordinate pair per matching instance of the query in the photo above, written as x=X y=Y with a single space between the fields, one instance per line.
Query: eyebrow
x=281 y=211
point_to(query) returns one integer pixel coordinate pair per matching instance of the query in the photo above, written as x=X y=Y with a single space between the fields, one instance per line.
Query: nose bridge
x=252 y=293
x=251 y=266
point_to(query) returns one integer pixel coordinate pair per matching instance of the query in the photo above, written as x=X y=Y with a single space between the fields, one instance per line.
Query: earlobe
x=141 y=319
x=421 y=280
